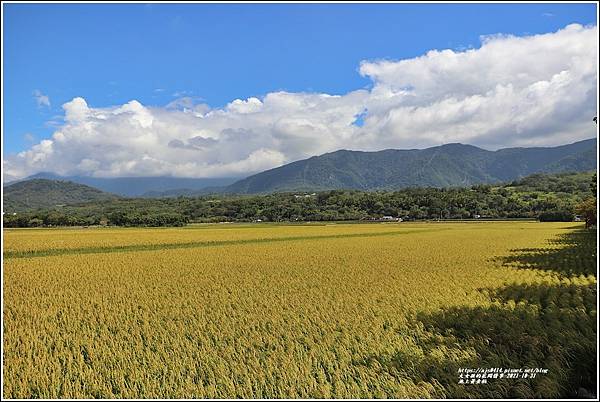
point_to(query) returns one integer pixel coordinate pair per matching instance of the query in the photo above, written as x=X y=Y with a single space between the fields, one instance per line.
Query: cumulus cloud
x=41 y=99
x=536 y=90
x=511 y=91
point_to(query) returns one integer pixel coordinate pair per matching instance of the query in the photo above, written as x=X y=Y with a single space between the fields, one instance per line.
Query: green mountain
x=449 y=165
x=44 y=193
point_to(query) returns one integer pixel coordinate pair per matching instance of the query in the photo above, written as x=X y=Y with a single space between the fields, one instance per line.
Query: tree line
x=543 y=197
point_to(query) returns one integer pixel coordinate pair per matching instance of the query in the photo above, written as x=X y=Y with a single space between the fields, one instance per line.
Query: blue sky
x=110 y=54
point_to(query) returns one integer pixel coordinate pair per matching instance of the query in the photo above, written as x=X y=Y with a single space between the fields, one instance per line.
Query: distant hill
x=567 y=183
x=449 y=165
x=44 y=193
x=138 y=186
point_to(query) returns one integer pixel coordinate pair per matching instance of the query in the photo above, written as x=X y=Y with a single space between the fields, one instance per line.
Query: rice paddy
x=299 y=311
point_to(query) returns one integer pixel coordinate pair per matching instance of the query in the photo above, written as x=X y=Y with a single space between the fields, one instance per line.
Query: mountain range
x=450 y=165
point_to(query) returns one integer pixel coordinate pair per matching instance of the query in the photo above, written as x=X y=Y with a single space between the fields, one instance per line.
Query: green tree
x=587 y=209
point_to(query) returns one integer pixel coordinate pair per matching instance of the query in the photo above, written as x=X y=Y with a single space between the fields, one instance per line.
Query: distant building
x=389 y=218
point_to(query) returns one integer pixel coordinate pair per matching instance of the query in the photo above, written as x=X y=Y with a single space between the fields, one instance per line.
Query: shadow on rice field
x=549 y=325
x=571 y=254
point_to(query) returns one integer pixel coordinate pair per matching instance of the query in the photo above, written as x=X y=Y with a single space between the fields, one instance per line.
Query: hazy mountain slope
x=138 y=186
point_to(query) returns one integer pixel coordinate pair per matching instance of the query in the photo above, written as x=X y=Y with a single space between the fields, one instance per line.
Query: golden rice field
x=299 y=311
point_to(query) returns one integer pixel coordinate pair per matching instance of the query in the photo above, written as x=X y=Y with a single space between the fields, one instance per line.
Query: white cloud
x=76 y=110
x=537 y=90
x=251 y=105
x=512 y=91
x=41 y=99
x=137 y=113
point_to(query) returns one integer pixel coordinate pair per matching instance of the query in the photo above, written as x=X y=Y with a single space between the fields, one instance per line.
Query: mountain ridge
x=446 y=165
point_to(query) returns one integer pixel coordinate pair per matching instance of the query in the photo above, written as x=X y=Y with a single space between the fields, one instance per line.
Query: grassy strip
x=197 y=244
